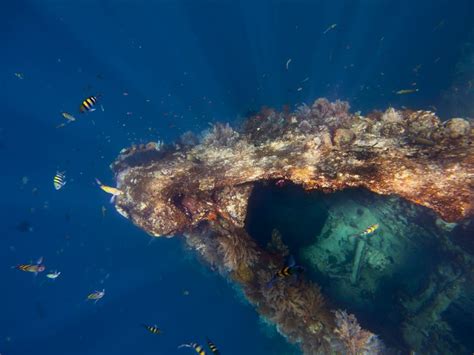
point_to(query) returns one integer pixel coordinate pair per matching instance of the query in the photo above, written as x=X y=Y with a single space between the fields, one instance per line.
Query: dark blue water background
x=164 y=67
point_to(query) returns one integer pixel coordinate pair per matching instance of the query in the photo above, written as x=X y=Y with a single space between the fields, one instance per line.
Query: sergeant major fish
x=213 y=347
x=198 y=348
x=88 y=104
x=369 y=230
x=289 y=270
x=152 y=328
x=59 y=180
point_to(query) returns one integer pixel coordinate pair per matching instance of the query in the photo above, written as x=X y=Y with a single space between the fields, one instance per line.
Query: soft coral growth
x=322 y=108
x=221 y=136
x=355 y=340
x=237 y=251
x=331 y=113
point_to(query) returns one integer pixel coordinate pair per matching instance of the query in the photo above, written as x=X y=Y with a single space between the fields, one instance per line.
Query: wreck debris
x=202 y=190
x=359 y=255
x=424 y=327
x=385 y=161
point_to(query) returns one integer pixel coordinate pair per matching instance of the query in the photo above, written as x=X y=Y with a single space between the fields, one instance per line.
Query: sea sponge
x=457 y=127
x=392 y=116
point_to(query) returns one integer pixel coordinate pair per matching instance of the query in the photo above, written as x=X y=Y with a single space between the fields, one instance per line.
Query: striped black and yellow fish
x=152 y=328
x=198 y=348
x=88 y=105
x=213 y=347
x=289 y=270
x=59 y=180
x=369 y=230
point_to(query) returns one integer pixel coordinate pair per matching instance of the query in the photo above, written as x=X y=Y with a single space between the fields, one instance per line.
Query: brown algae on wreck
x=202 y=190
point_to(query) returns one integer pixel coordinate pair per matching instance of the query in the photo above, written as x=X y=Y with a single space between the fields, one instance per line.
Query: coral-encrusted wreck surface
x=201 y=190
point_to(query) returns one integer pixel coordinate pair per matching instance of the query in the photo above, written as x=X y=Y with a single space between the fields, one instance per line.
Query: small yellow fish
x=96 y=295
x=406 y=91
x=333 y=26
x=68 y=116
x=109 y=189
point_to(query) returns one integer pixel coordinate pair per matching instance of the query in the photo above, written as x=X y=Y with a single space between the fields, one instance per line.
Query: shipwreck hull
x=201 y=190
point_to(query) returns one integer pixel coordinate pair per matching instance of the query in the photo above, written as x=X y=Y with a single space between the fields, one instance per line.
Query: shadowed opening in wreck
x=294 y=204
x=390 y=284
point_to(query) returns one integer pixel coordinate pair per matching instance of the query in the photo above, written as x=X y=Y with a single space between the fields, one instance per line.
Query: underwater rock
x=202 y=190
x=343 y=137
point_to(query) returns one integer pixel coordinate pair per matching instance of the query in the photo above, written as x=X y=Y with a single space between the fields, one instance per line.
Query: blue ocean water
x=162 y=68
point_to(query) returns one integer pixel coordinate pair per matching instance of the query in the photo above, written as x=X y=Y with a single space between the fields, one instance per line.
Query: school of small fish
x=59 y=181
x=288 y=271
